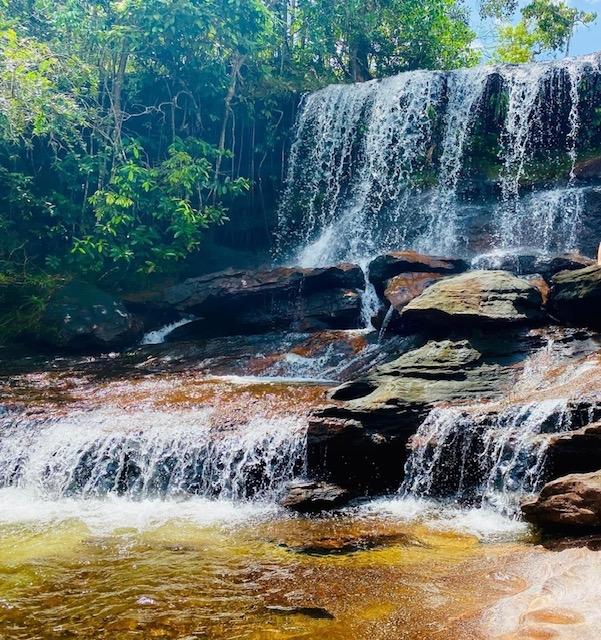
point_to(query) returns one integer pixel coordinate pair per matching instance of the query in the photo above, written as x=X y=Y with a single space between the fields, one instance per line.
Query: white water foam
x=471 y=455
x=150 y=454
x=484 y=523
x=158 y=336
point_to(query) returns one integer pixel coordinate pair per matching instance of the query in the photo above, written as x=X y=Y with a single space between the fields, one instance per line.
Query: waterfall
x=388 y=164
x=475 y=457
x=158 y=336
x=150 y=454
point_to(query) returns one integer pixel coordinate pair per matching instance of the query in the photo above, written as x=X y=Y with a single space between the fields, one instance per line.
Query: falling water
x=382 y=165
x=158 y=336
x=150 y=454
x=476 y=457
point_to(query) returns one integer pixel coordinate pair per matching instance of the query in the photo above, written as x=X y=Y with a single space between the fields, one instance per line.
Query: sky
x=586 y=39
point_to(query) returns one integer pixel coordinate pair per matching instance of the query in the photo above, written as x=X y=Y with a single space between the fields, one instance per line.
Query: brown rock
x=307 y=496
x=389 y=265
x=477 y=298
x=570 y=501
x=401 y=289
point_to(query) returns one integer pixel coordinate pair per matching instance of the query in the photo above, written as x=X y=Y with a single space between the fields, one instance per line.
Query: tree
x=546 y=26
x=356 y=40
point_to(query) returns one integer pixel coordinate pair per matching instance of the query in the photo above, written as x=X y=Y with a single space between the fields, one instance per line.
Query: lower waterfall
x=150 y=454
x=481 y=459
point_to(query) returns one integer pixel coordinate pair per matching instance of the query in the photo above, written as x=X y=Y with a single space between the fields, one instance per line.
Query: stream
x=139 y=503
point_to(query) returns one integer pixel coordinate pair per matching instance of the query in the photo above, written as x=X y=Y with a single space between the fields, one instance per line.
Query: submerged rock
x=477 y=298
x=81 y=317
x=570 y=501
x=233 y=302
x=319 y=613
x=306 y=496
x=575 y=296
x=346 y=544
x=392 y=264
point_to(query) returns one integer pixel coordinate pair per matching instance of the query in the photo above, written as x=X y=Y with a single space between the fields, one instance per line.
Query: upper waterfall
x=459 y=161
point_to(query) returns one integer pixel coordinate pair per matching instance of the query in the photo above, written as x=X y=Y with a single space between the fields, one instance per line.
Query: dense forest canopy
x=129 y=127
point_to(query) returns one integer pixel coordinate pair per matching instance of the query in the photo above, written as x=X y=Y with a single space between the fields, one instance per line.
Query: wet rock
x=588 y=169
x=578 y=451
x=81 y=317
x=575 y=297
x=318 y=613
x=361 y=441
x=400 y=290
x=476 y=298
x=392 y=264
x=362 y=450
x=233 y=302
x=573 y=501
x=545 y=266
x=346 y=544
x=307 y=496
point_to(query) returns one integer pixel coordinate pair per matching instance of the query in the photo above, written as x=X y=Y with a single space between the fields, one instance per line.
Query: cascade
x=475 y=457
x=388 y=164
x=149 y=454
x=158 y=336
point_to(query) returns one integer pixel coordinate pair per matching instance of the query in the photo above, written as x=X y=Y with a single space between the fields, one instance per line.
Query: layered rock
x=575 y=297
x=361 y=441
x=522 y=264
x=389 y=265
x=245 y=302
x=81 y=317
x=477 y=298
x=573 y=501
x=578 y=451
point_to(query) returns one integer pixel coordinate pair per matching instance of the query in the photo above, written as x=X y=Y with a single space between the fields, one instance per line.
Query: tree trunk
x=234 y=75
x=359 y=60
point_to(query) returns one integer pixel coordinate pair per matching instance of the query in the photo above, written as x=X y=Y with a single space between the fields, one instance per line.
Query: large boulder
x=81 y=317
x=575 y=297
x=572 y=502
x=477 y=298
x=231 y=302
x=392 y=264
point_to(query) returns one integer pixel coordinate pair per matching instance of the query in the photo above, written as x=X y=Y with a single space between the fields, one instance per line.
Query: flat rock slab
x=243 y=302
x=477 y=298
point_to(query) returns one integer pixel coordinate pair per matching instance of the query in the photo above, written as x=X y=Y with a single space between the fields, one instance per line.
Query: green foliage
x=23 y=299
x=129 y=129
x=149 y=217
x=356 y=40
x=547 y=26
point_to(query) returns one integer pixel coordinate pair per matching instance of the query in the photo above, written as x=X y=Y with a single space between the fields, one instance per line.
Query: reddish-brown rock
x=392 y=264
x=572 y=501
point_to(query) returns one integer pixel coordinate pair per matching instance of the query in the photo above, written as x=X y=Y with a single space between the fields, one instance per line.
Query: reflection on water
x=340 y=578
